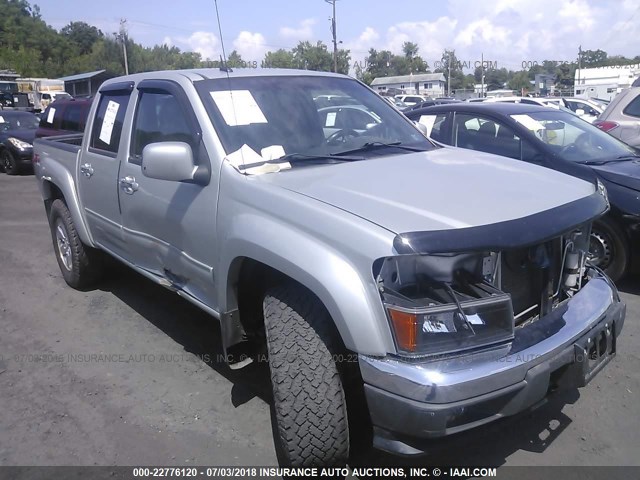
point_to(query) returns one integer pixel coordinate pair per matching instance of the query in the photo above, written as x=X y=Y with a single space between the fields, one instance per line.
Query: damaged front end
x=471 y=288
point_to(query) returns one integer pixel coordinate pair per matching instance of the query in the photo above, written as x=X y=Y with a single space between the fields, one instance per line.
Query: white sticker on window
x=109 y=121
x=52 y=112
x=1 y=119
x=428 y=121
x=528 y=122
x=238 y=107
x=331 y=119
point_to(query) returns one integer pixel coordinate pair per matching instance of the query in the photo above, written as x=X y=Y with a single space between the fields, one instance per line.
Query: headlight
x=433 y=312
x=603 y=191
x=19 y=144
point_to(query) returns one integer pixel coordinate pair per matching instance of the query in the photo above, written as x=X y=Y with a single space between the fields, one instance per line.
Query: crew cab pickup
x=424 y=289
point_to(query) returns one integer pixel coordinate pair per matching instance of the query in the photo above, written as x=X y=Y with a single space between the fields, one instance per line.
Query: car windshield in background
x=305 y=116
x=23 y=121
x=572 y=138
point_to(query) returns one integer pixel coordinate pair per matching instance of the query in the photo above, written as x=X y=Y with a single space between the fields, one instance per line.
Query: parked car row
x=558 y=140
x=19 y=129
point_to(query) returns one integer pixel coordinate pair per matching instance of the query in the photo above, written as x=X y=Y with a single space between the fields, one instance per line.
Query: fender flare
x=358 y=315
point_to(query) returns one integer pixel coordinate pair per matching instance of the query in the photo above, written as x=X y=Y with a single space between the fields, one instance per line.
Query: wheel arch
x=326 y=274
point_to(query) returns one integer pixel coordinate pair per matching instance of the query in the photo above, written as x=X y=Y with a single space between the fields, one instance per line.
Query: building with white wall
x=604 y=82
x=432 y=84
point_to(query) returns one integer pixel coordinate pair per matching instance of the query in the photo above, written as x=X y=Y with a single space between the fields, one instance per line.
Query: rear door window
x=486 y=135
x=633 y=109
x=51 y=118
x=107 y=125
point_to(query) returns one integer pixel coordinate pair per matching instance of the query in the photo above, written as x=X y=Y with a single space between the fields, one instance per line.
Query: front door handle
x=129 y=185
x=86 y=169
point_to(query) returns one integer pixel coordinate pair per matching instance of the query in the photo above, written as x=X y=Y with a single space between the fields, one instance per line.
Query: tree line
x=34 y=49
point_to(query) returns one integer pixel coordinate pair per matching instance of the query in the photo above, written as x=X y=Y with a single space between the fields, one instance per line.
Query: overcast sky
x=508 y=32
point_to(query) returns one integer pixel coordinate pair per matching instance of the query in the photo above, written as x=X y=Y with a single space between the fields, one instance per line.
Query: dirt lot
x=129 y=374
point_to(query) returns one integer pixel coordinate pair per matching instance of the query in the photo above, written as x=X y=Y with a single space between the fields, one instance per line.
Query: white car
x=412 y=100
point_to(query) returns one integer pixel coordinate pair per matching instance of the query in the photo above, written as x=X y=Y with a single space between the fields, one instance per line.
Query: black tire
x=81 y=266
x=609 y=248
x=309 y=400
x=9 y=164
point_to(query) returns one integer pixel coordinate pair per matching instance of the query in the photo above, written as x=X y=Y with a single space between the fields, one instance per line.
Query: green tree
x=279 y=59
x=82 y=35
x=234 y=60
x=520 y=80
x=312 y=57
x=594 y=58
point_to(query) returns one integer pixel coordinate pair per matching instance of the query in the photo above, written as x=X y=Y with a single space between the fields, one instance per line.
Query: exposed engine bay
x=441 y=303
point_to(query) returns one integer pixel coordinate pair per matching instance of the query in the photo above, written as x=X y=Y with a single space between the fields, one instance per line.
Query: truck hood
x=443 y=189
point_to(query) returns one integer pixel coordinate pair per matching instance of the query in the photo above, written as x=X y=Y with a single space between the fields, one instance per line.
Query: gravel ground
x=129 y=374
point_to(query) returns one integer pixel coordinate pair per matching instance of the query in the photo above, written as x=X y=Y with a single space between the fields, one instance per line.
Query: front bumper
x=410 y=401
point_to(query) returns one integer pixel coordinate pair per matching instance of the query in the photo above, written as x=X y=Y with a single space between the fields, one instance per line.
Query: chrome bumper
x=444 y=396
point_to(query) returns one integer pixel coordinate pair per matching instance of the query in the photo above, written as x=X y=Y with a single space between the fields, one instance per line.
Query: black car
x=432 y=102
x=560 y=141
x=17 y=131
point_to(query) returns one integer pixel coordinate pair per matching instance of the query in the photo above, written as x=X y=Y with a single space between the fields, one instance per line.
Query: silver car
x=622 y=117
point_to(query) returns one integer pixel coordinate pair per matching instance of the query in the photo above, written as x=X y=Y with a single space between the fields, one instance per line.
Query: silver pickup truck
x=427 y=290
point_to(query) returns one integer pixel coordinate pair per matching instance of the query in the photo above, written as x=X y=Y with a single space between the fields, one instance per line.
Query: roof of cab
x=197 y=74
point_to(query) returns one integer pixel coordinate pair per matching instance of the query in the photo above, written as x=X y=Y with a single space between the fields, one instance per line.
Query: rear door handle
x=129 y=185
x=86 y=169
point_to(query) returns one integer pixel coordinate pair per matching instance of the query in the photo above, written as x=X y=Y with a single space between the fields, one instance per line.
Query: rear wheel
x=609 y=248
x=309 y=400
x=9 y=163
x=81 y=266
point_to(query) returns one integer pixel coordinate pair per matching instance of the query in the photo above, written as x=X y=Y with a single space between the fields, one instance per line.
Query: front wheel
x=81 y=266
x=609 y=248
x=9 y=163
x=309 y=400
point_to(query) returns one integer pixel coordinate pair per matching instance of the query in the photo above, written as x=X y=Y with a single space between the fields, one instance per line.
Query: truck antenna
x=223 y=59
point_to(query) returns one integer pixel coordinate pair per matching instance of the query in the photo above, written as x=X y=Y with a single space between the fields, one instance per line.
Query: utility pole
x=334 y=34
x=123 y=38
x=482 y=75
x=449 y=77
x=579 y=67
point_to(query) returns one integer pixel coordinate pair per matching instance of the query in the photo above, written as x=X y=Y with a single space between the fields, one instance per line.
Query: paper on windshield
x=1 y=119
x=109 y=121
x=428 y=121
x=528 y=122
x=238 y=107
x=272 y=152
x=52 y=112
x=246 y=155
x=331 y=119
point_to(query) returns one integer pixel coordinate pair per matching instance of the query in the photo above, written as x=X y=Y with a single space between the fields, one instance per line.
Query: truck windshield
x=306 y=116
x=572 y=138
x=9 y=87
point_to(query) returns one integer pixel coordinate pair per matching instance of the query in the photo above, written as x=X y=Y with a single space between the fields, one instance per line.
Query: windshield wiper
x=621 y=158
x=300 y=158
x=375 y=145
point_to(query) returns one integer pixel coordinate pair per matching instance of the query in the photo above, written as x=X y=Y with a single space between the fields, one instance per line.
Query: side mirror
x=172 y=161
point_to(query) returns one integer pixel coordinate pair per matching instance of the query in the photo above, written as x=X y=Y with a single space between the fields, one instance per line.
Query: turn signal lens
x=405 y=326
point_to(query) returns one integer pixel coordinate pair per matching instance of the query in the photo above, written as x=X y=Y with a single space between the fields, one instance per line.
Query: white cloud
x=304 y=31
x=432 y=37
x=510 y=32
x=206 y=44
x=251 y=46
